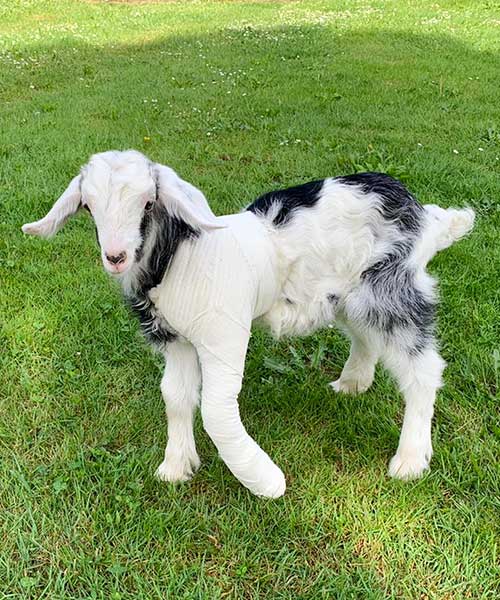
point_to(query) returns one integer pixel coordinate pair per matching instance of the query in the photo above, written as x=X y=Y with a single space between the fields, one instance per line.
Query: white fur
x=180 y=387
x=243 y=268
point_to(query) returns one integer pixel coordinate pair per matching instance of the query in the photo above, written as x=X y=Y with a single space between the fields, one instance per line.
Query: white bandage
x=222 y=372
x=215 y=287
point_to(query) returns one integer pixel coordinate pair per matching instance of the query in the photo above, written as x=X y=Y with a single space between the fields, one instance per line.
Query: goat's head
x=119 y=189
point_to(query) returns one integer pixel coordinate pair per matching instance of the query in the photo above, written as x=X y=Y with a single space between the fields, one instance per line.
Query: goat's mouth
x=117 y=269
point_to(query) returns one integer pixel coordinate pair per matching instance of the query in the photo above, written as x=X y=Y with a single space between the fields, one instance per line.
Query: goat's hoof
x=350 y=386
x=409 y=465
x=175 y=470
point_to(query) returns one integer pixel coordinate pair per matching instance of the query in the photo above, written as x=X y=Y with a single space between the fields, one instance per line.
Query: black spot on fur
x=144 y=228
x=287 y=202
x=169 y=232
x=398 y=205
x=394 y=302
x=154 y=328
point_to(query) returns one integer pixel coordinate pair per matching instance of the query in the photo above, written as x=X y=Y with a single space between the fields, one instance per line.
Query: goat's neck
x=162 y=235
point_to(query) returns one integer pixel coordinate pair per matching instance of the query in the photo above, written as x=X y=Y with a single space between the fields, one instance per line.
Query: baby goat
x=351 y=250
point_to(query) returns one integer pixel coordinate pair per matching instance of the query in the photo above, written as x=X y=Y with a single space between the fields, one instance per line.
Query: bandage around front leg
x=215 y=287
x=222 y=373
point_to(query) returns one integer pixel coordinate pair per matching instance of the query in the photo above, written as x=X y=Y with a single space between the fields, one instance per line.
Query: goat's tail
x=444 y=227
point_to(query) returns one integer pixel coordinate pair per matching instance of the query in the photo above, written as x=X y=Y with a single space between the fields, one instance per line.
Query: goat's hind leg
x=180 y=387
x=359 y=369
x=419 y=378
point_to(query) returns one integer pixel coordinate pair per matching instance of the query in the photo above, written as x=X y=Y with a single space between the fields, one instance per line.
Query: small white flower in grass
x=455 y=151
x=420 y=145
x=481 y=149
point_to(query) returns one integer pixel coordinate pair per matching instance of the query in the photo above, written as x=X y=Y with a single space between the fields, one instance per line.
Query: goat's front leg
x=222 y=368
x=180 y=387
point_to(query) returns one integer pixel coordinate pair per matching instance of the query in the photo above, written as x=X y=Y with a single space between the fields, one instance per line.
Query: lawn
x=241 y=98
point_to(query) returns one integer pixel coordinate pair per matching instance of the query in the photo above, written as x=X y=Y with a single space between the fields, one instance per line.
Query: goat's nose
x=116 y=260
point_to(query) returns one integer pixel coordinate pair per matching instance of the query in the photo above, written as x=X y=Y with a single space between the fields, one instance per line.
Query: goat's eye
x=149 y=206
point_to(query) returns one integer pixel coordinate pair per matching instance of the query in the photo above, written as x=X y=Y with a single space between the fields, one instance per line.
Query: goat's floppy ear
x=64 y=207
x=184 y=201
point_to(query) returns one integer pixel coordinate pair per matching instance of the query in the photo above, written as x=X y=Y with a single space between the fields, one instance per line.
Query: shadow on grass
x=247 y=109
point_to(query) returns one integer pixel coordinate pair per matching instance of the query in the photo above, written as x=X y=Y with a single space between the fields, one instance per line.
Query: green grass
x=241 y=97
